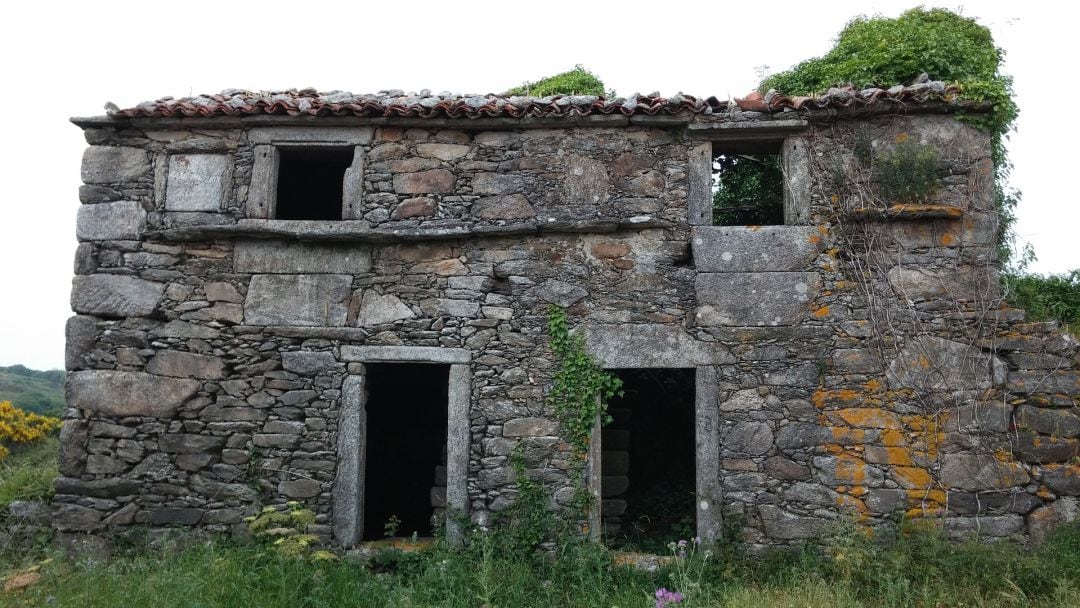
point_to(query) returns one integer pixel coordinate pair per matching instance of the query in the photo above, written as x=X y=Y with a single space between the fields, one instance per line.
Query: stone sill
x=360 y=231
x=907 y=212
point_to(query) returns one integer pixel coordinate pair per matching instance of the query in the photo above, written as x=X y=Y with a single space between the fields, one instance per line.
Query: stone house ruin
x=342 y=300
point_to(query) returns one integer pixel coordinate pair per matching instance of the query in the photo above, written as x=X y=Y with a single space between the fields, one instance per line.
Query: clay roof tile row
x=390 y=104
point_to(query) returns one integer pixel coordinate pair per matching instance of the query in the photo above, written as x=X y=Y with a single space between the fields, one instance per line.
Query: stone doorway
x=648 y=474
x=405 y=448
x=402 y=441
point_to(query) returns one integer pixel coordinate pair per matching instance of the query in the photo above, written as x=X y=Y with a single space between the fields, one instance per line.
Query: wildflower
x=665 y=597
x=682 y=544
x=697 y=540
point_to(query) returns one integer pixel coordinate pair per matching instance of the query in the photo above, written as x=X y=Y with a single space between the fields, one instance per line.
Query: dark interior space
x=311 y=183
x=648 y=460
x=406 y=446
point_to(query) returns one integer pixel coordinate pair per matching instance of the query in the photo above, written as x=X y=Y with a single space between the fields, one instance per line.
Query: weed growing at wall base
x=915 y=568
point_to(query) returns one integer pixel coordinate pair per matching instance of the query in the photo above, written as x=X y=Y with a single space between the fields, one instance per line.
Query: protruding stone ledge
x=361 y=231
x=907 y=212
x=422 y=354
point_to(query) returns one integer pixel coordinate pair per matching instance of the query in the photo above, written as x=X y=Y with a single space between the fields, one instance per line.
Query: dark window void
x=405 y=475
x=647 y=461
x=311 y=183
x=748 y=184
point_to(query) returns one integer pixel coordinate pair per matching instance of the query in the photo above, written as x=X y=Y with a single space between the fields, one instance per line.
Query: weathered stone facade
x=856 y=359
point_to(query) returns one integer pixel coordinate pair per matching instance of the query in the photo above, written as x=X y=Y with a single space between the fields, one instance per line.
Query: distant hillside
x=41 y=392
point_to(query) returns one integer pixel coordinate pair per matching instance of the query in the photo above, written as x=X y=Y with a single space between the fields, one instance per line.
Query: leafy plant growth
x=1054 y=297
x=878 y=51
x=578 y=81
x=909 y=173
x=749 y=190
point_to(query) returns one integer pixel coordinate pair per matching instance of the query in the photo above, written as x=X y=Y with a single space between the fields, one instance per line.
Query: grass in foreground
x=28 y=472
x=915 y=569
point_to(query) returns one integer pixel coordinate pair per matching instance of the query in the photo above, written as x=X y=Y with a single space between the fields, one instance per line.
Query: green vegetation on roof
x=578 y=81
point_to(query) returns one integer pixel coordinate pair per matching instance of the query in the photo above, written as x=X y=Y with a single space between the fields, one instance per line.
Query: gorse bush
x=21 y=427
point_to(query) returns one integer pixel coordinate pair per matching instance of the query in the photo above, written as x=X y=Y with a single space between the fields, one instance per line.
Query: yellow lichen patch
x=834 y=198
x=912 y=477
x=868 y=418
x=901 y=138
x=1044 y=493
x=923 y=362
x=892 y=438
x=821 y=397
x=846 y=502
x=898 y=456
x=1003 y=455
x=858 y=491
x=832 y=448
x=820 y=312
x=924 y=512
x=850 y=469
x=753 y=228
x=872 y=385
x=930 y=497
x=823 y=230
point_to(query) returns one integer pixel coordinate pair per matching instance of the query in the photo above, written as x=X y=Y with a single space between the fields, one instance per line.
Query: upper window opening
x=311 y=183
x=748 y=183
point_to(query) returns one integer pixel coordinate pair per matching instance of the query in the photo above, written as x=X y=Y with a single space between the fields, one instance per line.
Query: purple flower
x=665 y=597
x=682 y=543
x=697 y=540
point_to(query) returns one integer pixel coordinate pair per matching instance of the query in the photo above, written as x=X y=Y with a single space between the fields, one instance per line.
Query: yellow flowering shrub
x=20 y=426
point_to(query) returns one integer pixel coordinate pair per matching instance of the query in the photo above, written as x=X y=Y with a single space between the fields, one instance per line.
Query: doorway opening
x=648 y=461
x=405 y=477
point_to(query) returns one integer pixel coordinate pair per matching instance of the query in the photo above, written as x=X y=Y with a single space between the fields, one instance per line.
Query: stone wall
x=862 y=362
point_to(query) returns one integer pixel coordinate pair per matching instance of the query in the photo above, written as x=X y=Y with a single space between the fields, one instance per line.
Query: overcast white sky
x=62 y=60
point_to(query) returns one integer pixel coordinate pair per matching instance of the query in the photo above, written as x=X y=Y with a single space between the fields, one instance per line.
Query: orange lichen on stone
x=892 y=438
x=872 y=385
x=858 y=491
x=947 y=239
x=912 y=477
x=1003 y=455
x=814 y=239
x=832 y=448
x=846 y=502
x=937 y=498
x=901 y=138
x=868 y=417
x=1044 y=493
x=850 y=469
x=820 y=312
x=822 y=396
x=898 y=456
x=924 y=512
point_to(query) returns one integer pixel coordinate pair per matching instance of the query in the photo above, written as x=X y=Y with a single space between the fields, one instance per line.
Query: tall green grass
x=915 y=569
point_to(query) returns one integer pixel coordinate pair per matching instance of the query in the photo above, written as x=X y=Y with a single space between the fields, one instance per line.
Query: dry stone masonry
x=857 y=360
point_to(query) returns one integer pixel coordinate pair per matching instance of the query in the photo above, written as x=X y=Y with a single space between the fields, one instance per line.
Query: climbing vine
x=581 y=388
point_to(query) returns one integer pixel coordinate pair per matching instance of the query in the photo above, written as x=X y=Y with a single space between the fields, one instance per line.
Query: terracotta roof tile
x=389 y=104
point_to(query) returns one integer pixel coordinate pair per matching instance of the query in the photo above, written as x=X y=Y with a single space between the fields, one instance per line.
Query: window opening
x=748 y=184
x=647 y=462
x=311 y=183
x=405 y=480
